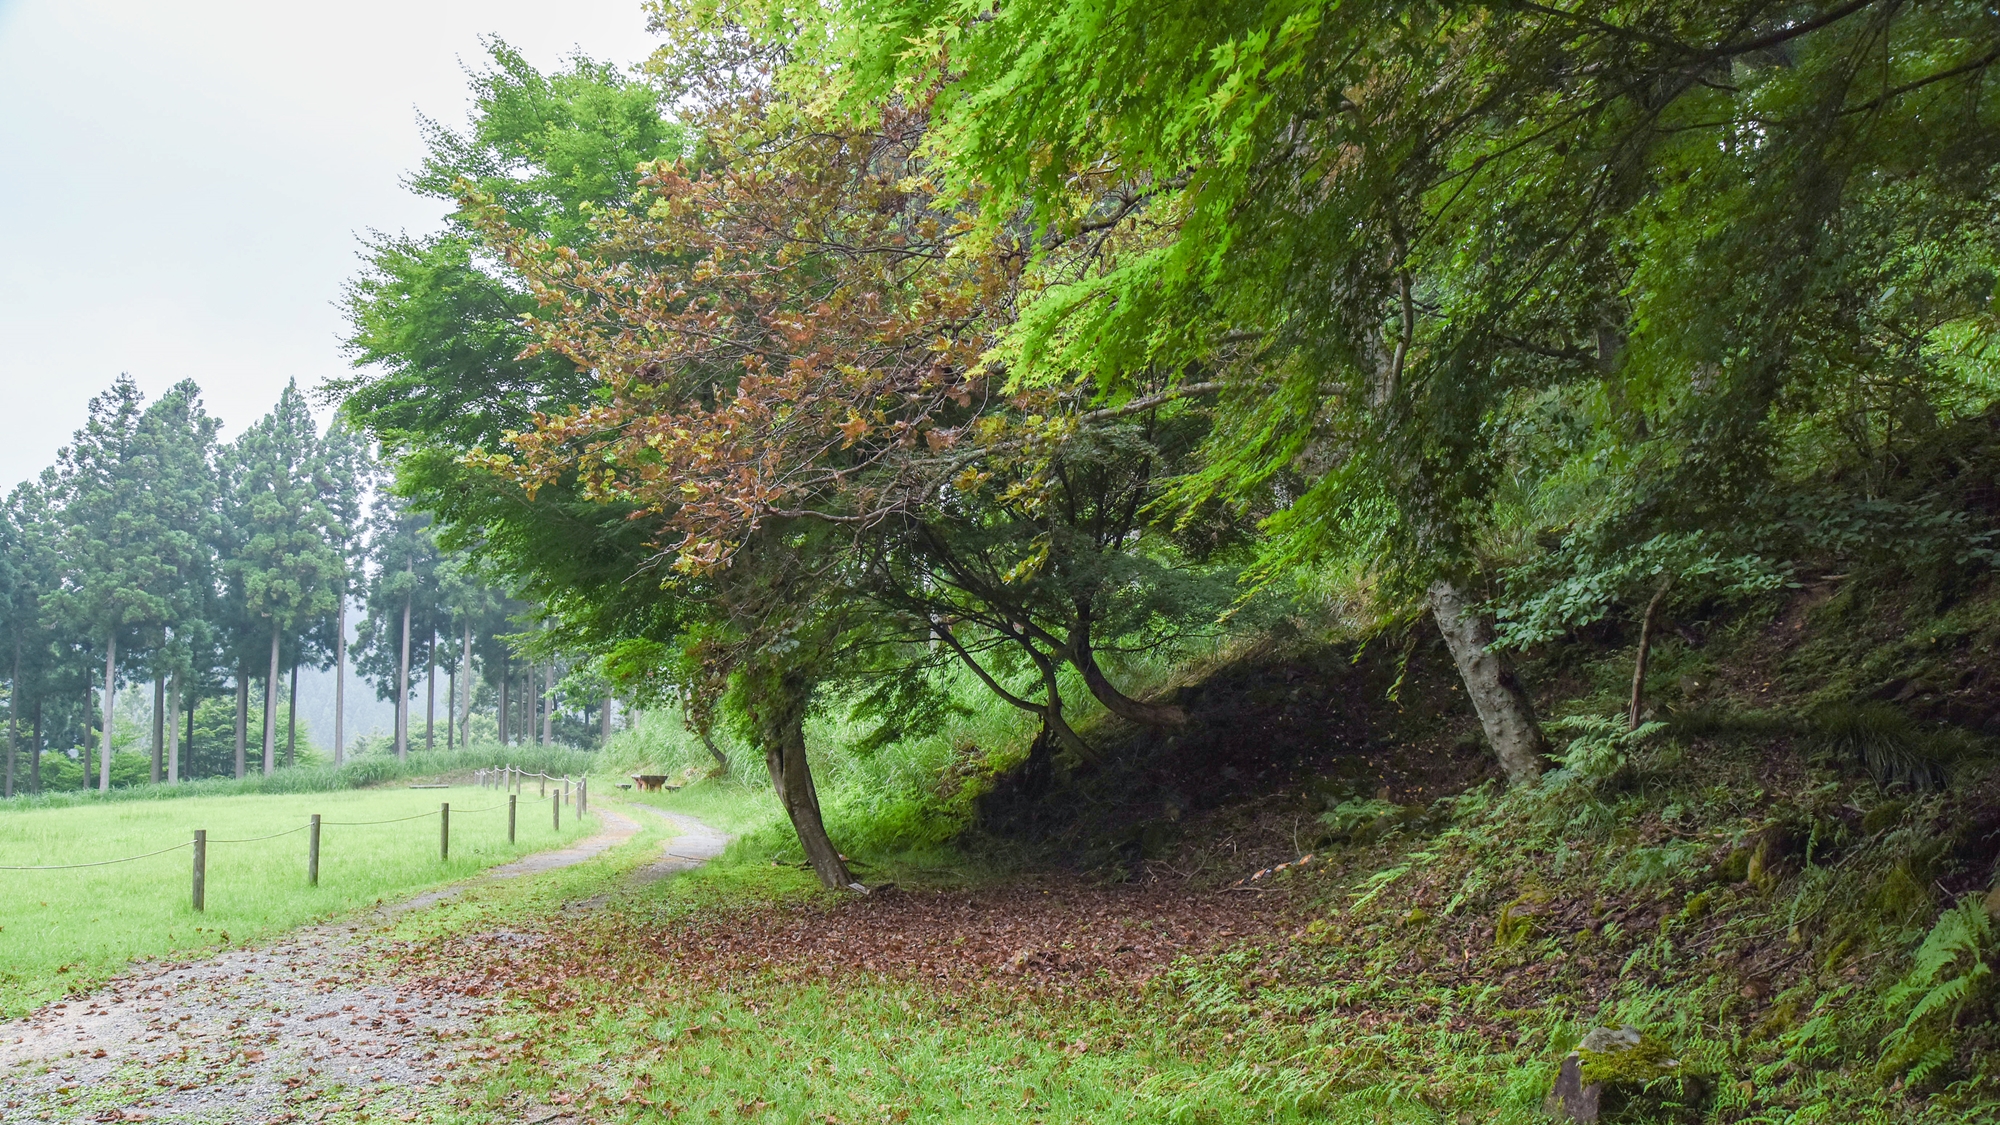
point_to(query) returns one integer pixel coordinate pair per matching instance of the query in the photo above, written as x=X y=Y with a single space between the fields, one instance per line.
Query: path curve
x=693 y=844
x=300 y=1028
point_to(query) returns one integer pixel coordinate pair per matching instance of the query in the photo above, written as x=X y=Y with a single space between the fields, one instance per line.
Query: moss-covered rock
x=1623 y=1055
x=1606 y=1067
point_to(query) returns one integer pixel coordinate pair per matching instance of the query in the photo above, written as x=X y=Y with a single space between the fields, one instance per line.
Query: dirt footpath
x=315 y=1026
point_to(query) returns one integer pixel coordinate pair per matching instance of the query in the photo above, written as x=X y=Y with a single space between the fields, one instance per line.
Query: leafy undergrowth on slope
x=1774 y=942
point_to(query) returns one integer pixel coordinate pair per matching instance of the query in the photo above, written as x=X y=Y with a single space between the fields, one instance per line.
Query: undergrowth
x=1794 y=951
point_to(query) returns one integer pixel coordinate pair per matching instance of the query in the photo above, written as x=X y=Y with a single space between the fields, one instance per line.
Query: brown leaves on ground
x=1043 y=937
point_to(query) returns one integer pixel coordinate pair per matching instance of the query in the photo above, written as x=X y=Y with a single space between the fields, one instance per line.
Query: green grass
x=64 y=931
x=770 y=1052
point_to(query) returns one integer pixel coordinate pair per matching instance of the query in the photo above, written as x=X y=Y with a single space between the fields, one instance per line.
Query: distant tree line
x=154 y=555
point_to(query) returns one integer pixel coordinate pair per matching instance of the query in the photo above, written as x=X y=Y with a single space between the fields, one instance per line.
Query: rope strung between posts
x=272 y=836
x=365 y=823
x=97 y=863
x=525 y=773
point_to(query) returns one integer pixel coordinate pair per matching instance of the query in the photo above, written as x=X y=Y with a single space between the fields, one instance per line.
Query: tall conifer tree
x=347 y=473
x=402 y=603
x=119 y=575
x=287 y=570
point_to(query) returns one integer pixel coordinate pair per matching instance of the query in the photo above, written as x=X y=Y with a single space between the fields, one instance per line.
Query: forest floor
x=319 y=1025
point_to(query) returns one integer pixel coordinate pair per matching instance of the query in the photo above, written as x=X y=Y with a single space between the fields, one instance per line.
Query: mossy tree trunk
x=777 y=699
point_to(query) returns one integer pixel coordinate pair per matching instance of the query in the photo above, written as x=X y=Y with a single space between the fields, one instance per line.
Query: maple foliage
x=792 y=336
x=790 y=332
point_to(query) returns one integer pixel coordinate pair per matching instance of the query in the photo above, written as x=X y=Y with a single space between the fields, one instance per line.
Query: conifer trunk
x=110 y=698
x=548 y=703
x=159 y=723
x=292 y=719
x=430 y=691
x=779 y=713
x=13 y=716
x=465 y=678
x=271 y=705
x=604 y=725
x=1505 y=712
x=174 y=728
x=403 y=679
x=242 y=721
x=504 y=703
x=35 y=752
x=340 y=684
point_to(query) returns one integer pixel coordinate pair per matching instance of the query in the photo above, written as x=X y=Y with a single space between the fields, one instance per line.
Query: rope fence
x=573 y=792
x=93 y=863
x=272 y=836
x=513 y=779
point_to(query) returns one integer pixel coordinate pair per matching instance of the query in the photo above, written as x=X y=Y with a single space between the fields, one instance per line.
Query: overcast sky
x=182 y=184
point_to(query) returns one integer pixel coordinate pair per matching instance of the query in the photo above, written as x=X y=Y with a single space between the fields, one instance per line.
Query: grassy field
x=62 y=931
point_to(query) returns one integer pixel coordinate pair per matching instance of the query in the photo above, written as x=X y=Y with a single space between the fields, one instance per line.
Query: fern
x=1600 y=748
x=1951 y=972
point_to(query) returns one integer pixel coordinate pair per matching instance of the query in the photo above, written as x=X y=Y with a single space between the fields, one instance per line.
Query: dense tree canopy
x=860 y=340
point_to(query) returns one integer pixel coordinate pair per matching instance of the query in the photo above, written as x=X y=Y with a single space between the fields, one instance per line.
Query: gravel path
x=315 y=1026
x=694 y=844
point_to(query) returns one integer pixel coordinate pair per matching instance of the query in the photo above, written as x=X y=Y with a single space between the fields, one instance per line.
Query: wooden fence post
x=200 y=869
x=555 y=804
x=582 y=796
x=312 y=853
x=545 y=783
x=444 y=831
x=511 y=798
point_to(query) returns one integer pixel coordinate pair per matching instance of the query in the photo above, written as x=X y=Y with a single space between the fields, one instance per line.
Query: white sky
x=182 y=185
